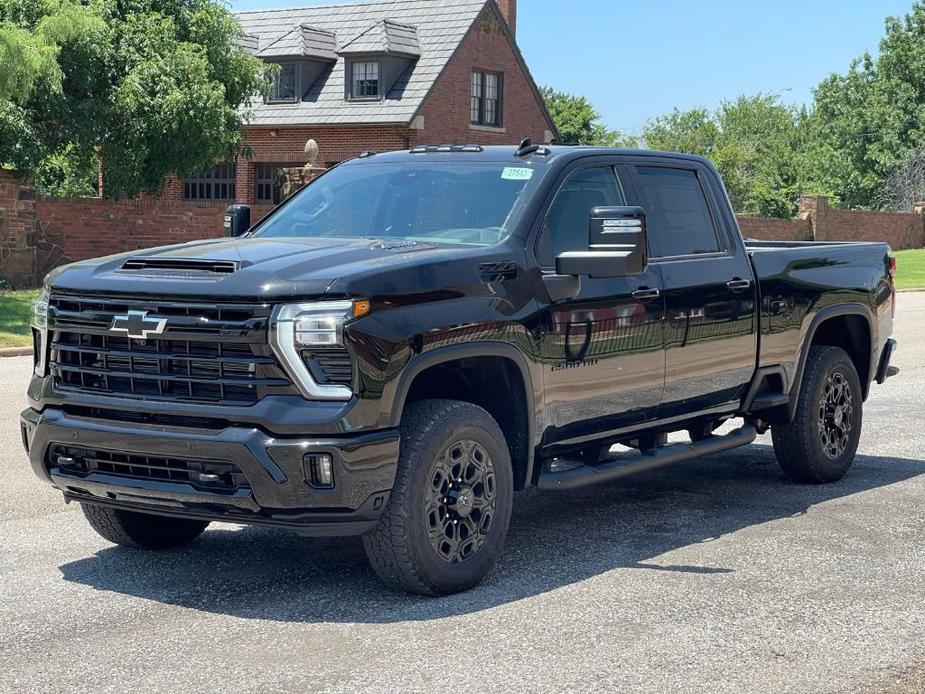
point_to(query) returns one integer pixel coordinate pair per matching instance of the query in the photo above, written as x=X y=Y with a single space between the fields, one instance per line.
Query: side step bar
x=628 y=464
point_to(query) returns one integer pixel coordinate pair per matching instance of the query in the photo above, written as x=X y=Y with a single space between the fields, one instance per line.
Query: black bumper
x=277 y=492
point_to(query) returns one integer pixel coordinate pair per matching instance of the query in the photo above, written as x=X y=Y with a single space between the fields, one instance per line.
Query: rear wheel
x=143 y=530
x=820 y=443
x=451 y=503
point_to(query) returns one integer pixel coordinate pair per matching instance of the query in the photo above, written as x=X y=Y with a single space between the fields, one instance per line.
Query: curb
x=15 y=351
x=910 y=291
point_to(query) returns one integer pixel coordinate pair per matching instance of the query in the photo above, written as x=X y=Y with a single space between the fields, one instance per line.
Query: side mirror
x=237 y=220
x=616 y=245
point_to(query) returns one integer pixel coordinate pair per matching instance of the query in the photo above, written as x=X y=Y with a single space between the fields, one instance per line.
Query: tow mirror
x=616 y=245
x=237 y=220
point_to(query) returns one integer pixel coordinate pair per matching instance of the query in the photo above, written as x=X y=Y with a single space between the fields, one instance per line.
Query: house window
x=284 y=84
x=485 y=104
x=270 y=182
x=365 y=79
x=215 y=184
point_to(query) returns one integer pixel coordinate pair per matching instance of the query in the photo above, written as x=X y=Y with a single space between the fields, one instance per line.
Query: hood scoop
x=185 y=265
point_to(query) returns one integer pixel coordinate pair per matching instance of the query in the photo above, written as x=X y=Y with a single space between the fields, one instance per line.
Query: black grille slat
x=83 y=461
x=330 y=365
x=226 y=362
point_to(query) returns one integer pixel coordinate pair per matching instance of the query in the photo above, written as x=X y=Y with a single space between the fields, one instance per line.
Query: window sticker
x=516 y=173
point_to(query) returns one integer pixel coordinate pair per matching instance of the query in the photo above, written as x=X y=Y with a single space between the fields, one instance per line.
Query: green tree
x=579 y=123
x=752 y=141
x=868 y=121
x=149 y=88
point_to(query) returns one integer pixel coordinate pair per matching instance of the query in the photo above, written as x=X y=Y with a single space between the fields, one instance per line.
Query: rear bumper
x=884 y=370
x=277 y=491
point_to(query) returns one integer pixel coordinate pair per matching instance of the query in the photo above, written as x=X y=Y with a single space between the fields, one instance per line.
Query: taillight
x=893 y=285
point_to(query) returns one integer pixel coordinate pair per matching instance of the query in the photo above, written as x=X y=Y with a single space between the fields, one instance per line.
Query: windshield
x=443 y=203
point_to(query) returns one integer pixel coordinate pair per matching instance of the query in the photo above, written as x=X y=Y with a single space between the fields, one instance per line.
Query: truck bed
x=798 y=279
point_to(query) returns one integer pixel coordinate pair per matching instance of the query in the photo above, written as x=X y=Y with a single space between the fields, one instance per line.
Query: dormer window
x=365 y=81
x=284 y=84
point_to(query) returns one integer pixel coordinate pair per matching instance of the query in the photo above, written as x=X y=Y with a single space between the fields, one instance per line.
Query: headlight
x=40 y=333
x=40 y=311
x=317 y=324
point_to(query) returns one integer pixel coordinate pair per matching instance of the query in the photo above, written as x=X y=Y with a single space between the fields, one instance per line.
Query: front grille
x=329 y=365
x=206 y=353
x=205 y=474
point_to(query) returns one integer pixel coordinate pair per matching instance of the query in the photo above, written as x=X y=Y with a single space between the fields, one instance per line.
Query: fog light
x=319 y=470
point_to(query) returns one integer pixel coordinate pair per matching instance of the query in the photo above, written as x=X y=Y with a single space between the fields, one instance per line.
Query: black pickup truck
x=415 y=335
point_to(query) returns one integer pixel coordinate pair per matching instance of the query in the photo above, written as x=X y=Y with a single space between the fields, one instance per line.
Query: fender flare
x=486 y=348
x=821 y=317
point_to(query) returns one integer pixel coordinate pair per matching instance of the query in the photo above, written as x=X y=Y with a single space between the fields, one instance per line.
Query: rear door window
x=678 y=217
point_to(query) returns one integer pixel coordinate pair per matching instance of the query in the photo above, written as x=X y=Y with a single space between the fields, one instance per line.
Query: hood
x=246 y=268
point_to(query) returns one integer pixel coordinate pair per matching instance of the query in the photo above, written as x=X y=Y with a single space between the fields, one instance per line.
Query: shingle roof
x=386 y=36
x=303 y=41
x=438 y=28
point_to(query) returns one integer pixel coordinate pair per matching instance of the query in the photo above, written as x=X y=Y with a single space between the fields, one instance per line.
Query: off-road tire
x=799 y=445
x=400 y=549
x=142 y=530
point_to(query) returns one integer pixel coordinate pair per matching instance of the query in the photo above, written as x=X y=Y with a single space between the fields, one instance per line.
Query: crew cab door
x=707 y=283
x=603 y=364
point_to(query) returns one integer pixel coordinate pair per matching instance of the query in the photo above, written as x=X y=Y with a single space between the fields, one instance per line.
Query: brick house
x=377 y=76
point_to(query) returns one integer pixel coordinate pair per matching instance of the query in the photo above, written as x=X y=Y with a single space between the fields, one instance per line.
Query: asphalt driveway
x=714 y=576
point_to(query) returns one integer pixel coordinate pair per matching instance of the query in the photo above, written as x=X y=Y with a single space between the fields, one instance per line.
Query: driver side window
x=566 y=227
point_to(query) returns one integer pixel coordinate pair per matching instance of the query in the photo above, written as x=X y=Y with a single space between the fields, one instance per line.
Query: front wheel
x=450 y=506
x=819 y=445
x=142 y=530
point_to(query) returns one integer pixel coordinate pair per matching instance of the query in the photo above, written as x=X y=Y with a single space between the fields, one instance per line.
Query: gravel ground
x=714 y=576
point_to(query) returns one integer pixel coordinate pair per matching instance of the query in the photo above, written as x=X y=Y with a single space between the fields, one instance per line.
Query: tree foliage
x=753 y=142
x=868 y=121
x=579 y=123
x=148 y=87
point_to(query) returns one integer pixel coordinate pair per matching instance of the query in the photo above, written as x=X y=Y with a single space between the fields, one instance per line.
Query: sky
x=635 y=60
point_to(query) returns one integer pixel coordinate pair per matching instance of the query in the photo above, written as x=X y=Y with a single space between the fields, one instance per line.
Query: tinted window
x=456 y=203
x=677 y=216
x=567 y=219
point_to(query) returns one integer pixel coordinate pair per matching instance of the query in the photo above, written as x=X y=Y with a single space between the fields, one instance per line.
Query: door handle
x=644 y=294
x=738 y=284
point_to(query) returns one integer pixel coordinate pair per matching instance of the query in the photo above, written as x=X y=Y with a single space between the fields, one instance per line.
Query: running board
x=631 y=463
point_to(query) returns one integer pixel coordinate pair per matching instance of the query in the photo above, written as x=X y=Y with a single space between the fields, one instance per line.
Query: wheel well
x=493 y=383
x=852 y=334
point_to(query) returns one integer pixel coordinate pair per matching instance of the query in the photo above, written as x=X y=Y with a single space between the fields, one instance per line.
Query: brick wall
x=446 y=110
x=287 y=146
x=900 y=230
x=89 y=227
x=767 y=229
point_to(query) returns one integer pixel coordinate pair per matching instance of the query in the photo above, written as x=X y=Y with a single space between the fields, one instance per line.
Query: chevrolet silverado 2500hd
x=415 y=335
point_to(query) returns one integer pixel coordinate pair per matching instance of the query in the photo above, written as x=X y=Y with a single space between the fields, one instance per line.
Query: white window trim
x=352 y=83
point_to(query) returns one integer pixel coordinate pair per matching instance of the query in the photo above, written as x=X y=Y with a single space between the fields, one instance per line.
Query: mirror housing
x=237 y=220
x=616 y=245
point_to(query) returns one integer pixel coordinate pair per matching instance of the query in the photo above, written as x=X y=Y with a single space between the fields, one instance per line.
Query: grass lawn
x=910 y=269
x=15 y=313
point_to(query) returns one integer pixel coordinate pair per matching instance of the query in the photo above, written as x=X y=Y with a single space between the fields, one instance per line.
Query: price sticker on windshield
x=516 y=173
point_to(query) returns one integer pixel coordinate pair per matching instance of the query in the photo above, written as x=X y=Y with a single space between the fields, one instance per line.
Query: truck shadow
x=556 y=540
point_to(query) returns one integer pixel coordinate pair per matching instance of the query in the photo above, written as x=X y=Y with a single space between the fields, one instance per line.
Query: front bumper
x=278 y=493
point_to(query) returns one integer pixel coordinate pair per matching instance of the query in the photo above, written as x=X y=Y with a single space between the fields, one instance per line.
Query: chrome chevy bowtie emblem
x=137 y=324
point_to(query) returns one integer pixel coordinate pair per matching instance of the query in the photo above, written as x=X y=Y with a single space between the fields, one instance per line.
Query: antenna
x=527 y=147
